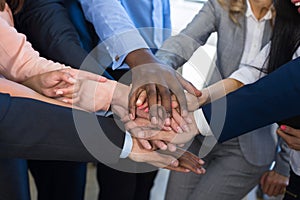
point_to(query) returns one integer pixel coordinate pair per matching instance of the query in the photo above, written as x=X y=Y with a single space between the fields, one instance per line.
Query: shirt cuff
x=201 y=123
x=121 y=44
x=127 y=147
x=247 y=75
x=119 y=64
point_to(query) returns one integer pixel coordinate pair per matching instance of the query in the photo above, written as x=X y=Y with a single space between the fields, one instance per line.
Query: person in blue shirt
x=128 y=46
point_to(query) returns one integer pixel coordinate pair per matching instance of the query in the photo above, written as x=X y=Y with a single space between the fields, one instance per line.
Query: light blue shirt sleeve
x=114 y=27
x=127 y=147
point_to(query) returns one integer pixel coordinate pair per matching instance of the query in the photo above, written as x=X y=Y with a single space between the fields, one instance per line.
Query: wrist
x=139 y=57
x=205 y=97
x=105 y=94
x=120 y=95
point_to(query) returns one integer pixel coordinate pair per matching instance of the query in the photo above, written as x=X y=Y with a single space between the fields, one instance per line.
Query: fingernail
x=201 y=162
x=184 y=113
x=175 y=163
x=141 y=135
x=179 y=130
x=154 y=120
x=72 y=80
x=131 y=116
x=167 y=121
x=59 y=92
x=148 y=146
x=172 y=148
x=199 y=171
x=65 y=100
x=164 y=147
x=138 y=102
x=186 y=128
x=189 y=120
x=146 y=110
x=283 y=127
x=167 y=128
x=187 y=170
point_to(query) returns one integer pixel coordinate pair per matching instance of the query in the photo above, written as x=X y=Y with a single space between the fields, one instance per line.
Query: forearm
x=279 y=91
x=222 y=88
x=18 y=90
x=49 y=132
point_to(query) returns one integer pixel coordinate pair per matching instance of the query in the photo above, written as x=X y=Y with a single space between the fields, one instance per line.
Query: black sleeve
x=47 y=25
x=32 y=129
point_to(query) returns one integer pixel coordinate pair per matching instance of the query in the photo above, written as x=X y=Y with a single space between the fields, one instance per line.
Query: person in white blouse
x=284 y=46
x=246 y=159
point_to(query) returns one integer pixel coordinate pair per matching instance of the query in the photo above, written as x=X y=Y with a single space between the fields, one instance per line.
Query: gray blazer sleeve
x=282 y=165
x=179 y=48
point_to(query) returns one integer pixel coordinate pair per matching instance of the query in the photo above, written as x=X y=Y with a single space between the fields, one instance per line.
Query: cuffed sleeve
x=201 y=123
x=114 y=28
x=128 y=143
x=282 y=161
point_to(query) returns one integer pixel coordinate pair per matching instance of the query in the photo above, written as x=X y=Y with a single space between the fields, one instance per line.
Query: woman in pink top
x=19 y=62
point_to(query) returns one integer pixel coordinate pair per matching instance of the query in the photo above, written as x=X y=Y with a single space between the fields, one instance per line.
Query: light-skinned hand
x=186 y=161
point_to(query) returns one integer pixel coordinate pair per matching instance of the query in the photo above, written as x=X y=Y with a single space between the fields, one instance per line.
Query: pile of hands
x=160 y=119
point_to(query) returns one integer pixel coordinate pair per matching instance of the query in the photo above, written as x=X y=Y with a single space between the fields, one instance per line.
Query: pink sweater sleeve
x=18 y=60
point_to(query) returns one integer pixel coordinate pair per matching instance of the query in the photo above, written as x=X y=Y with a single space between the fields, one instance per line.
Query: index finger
x=132 y=104
x=166 y=102
x=181 y=98
x=152 y=102
x=188 y=86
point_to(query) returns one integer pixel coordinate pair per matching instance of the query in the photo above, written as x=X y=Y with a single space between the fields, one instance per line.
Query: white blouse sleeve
x=255 y=70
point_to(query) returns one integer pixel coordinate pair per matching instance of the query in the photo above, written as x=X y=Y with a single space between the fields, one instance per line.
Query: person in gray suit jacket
x=235 y=166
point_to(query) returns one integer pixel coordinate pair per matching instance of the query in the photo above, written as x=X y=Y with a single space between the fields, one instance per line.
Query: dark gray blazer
x=31 y=129
x=259 y=147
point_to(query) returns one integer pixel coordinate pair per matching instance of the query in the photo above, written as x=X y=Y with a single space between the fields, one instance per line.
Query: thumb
x=165 y=160
x=263 y=178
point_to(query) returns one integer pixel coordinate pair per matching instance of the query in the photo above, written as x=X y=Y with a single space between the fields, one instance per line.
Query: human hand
x=186 y=161
x=140 y=123
x=144 y=129
x=297 y=4
x=93 y=96
x=50 y=83
x=290 y=135
x=79 y=76
x=159 y=81
x=273 y=184
x=193 y=102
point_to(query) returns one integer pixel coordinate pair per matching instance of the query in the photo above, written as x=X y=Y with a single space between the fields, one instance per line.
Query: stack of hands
x=159 y=120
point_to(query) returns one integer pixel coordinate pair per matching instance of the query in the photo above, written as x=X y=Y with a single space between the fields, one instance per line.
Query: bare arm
x=221 y=89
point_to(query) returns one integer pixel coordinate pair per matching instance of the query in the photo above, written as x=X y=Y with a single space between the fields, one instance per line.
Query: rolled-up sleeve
x=250 y=73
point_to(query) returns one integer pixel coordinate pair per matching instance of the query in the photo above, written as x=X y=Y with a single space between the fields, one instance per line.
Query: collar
x=249 y=13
